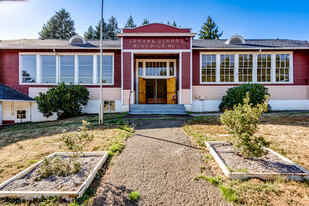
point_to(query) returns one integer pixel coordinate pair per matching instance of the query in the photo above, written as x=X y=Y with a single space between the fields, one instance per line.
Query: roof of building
x=209 y=44
x=8 y=93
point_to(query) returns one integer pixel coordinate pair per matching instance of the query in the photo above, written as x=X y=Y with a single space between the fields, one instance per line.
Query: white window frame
x=156 y=60
x=254 y=77
x=21 y=68
x=58 y=54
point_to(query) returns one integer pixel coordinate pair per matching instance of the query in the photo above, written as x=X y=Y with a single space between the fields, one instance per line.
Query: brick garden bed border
x=68 y=195
x=265 y=176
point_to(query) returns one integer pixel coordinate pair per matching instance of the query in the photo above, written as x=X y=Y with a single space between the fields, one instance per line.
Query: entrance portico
x=156 y=67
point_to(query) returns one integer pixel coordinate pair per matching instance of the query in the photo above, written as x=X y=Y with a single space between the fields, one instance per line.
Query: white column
x=0 y=113
x=254 y=69
x=180 y=78
x=273 y=68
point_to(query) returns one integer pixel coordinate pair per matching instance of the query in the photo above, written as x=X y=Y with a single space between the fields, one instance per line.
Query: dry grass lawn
x=289 y=134
x=25 y=144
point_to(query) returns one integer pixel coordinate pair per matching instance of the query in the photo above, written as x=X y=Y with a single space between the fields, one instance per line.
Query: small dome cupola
x=77 y=40
x=236 y=39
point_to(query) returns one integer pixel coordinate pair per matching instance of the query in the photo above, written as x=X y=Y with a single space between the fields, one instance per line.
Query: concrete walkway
x=160 y=163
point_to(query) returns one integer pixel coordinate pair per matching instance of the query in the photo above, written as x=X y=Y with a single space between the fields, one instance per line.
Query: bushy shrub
x=242 y=123
x=235 y=95
x=65 y=100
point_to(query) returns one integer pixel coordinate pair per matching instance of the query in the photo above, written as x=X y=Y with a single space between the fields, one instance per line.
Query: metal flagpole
x=101 y=110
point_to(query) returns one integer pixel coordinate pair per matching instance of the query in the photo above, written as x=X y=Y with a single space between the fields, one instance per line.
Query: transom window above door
x=156 y=68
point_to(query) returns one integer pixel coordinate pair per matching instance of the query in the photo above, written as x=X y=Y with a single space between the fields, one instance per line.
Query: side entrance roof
x=10 y=94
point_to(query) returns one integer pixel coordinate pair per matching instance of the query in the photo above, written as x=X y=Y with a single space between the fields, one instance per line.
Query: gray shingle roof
x=7 y=93
x=116 y=44
x=251 y=44
x=56 y=44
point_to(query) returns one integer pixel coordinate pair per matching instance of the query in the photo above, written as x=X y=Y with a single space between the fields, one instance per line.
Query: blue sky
x=251 y=19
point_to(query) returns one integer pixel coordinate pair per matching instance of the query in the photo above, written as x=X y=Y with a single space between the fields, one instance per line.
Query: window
x=245 y=67
x=282 y=67
x=21 y=114
x=209 y=68
x=156 y=68
x=28 y=71
x=48 y=69
x=109 y=106
x=67 y=69
x=264 y=68
x=226 y=68
x=107 y=69
x=140 y=69
x=172 y=69
x=85 y=69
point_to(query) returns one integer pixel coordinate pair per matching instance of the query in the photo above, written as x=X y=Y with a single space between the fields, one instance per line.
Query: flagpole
x=101 y=109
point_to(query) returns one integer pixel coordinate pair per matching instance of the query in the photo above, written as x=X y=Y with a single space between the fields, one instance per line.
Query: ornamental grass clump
x=242 y=124
x=63 y=166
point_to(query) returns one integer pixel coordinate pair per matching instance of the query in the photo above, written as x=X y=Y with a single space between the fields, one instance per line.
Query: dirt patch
x=269 y=163
x=159 y=162
x=71 y=182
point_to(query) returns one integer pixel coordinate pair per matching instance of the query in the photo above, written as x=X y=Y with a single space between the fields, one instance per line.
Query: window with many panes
x=21 y=114
x=48 y=68
x=282 y=67
x=264 y=68
x=209 y=68
x=109 y=106
x=245 y=67
x=227 y=68
x=85 y=69
x=107 y=69
x=67 y=69
x=156 y=68
x=28 y=70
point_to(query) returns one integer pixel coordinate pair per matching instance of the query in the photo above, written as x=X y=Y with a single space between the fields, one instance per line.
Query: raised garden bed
x=25 y=185
x=268 y=167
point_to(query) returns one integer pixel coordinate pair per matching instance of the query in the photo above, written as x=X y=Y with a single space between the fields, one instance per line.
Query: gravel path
x=160 y=163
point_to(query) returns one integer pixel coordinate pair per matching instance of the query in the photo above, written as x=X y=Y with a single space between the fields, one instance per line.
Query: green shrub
x=134 y=196
x=242 y=123
x=65 y=100
x=235 y=95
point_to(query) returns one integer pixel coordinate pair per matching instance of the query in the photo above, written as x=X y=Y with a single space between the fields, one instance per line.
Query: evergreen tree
x=174 y=24
x=130 y=23
x=168 y=23
x=210 y=30
x=97 y=30
x=112 y=28
x=59 y=26
x=145 y=21
x=90 y=33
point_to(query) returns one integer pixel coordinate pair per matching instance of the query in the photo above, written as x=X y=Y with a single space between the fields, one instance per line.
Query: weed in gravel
x=115 y=148
x=208 y=158
x=134 y=196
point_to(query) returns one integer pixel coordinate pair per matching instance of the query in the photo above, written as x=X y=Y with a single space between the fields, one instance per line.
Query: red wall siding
x=185 y=70
x=158 y=28
x=156 y=43
x=9 y=69
x=127 y=70
x=300 y=69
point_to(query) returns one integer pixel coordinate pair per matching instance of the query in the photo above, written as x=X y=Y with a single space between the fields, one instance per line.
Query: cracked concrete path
x=160 y=163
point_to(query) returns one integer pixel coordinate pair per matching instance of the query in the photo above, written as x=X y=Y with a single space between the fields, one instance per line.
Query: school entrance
x=156 y=81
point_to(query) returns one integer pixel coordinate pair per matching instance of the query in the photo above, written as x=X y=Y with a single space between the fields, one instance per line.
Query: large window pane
x=28 y=68
x=282 y=67
x=156 y=68
x=226 y=68
x=245 y=67
x=209 y=68
x=107 y=69
x=48 y=69
x=67 y=69
x=85 y=69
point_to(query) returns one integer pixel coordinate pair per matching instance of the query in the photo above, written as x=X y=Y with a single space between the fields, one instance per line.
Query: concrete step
x=157 y=109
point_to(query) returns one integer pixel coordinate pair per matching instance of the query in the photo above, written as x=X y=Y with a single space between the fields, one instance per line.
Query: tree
x=174 y=24
x=97 y=30
x=145 y=21
x=210 y=30
x=168 y=23
x=130 y=23
x=59 y=26
x=112 y=28
x=242 y=123
x=65 y=100
x=90 y=33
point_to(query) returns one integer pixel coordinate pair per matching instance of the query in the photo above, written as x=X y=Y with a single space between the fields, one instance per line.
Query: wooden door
x=141 y=90
x=171 y=90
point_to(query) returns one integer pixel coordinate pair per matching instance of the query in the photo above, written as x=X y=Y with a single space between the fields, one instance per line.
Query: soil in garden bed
x=55 y=183
x=269 y=163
